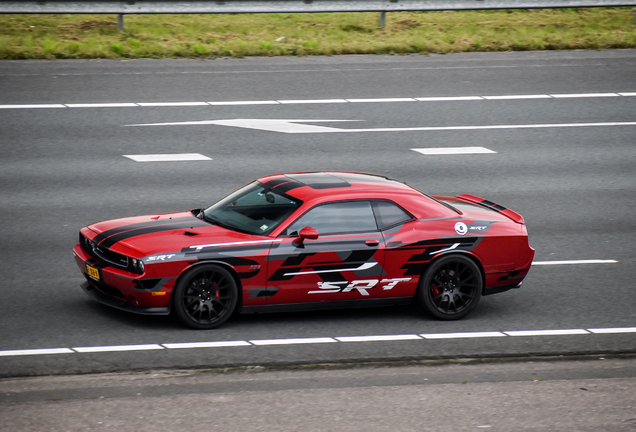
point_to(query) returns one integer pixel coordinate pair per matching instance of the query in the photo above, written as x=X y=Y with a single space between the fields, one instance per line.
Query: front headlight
x=138 y=265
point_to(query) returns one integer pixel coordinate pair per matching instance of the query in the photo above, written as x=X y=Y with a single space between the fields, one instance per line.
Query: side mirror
x=306 y=233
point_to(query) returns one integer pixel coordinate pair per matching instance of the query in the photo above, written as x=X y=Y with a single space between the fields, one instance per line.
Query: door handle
x=372 y=242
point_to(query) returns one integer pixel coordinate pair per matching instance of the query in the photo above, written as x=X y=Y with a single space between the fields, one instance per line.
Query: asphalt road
x=62 y=168
x=592 y=395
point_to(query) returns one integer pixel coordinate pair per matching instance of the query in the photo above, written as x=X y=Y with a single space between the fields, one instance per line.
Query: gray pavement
x=595 y=394
x=63 y=168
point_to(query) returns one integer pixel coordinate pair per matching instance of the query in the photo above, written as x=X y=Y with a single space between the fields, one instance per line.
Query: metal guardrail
x=283 y=6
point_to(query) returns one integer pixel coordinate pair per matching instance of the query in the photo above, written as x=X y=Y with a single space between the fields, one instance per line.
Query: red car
x=305 y=241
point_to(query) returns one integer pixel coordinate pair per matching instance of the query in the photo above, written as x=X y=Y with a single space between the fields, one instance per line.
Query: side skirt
x=324 y=305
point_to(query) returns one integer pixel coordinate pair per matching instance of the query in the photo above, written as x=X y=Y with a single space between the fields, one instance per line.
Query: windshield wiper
x=213 y=221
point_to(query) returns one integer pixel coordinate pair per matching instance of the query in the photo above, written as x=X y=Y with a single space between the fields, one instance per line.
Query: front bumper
x=124 y=290
x=97 y=295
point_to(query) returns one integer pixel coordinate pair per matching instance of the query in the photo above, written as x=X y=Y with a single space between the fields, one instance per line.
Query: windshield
x=253 y=209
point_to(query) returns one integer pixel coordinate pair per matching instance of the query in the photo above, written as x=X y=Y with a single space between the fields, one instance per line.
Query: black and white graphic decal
x=362 y=286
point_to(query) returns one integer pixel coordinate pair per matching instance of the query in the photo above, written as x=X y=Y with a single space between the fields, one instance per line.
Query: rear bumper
x=502 y=288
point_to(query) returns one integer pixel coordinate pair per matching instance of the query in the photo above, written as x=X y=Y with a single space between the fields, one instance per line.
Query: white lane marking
x=294 y=341
x=32 y=106
x=271 y=125
x=218 y=344
x=37 y=351
x=613 y=330
x=461 y=335
x=452 y=150
x=103 y=105
x=316 y=340
x=295 y=126
x=314 y=101
x=381 y=100
x=265 y=102
x=171 y=104
x=301 y=101
x=379 y=338
x=584 y=95
x=547 y=332
x=168 y=157
x=513 y=97
x=114 y=348
x=449 y=98
x=574 y=262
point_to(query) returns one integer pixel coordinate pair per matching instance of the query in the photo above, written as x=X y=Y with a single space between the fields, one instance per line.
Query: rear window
x=389 y=214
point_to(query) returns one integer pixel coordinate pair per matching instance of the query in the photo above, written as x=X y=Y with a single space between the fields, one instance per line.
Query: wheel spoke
x=453 y=287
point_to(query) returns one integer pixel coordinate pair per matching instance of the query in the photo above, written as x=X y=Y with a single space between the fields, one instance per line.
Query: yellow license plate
x=92 y=272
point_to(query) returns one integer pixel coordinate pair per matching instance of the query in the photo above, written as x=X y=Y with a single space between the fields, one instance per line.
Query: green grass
x=240 y=35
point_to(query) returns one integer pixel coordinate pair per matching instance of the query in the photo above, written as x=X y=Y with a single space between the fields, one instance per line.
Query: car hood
x=165 y=233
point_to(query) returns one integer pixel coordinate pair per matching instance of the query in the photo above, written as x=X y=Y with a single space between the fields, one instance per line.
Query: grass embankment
x=210 y=36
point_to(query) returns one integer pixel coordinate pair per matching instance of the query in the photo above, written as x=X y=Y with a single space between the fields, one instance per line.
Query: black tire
x=205 y=296
x=451 y=287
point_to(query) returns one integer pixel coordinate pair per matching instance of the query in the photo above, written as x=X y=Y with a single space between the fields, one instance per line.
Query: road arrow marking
x=297 y=126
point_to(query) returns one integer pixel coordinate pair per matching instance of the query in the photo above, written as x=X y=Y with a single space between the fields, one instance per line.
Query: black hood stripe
x=141 y=231
x=113 y=231
x=111 y=240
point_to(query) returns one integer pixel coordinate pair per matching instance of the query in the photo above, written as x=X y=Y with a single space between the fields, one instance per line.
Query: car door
x=343 y=263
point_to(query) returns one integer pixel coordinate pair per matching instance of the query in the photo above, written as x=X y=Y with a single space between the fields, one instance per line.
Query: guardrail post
x=382 y=19
x=120 y=23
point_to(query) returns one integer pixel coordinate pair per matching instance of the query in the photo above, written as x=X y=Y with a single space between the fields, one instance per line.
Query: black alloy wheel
x=205 y=296
x=451 y=287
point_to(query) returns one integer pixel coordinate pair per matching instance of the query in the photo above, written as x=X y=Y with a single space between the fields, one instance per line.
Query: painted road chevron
x=299 y=126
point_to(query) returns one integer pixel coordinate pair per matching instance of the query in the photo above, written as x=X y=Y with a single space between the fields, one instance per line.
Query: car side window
x=337 y=218
x=389 y=214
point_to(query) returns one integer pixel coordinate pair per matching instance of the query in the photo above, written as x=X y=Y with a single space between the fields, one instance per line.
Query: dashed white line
x=32 y=106
x=449 y=98
x=585 y=95
x=381 y=100
x=37 y=351
x=313 y=101
x=217 y=344
x=379 y=338
x=461 y=335
x=116 y=348
x=171 y=104
x=452 y=150
x=547 y=332
x=265 y=102
x=168 y=157
x=294 y=341
x=511 y=97
x=320 y=340
x=613 y=330
x=327 y=101
x=572 y=262
x=103 y=105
